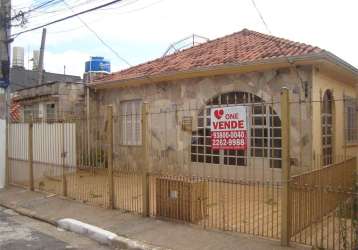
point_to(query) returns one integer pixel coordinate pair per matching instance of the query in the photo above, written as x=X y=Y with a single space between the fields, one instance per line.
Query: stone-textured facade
x=172 y=102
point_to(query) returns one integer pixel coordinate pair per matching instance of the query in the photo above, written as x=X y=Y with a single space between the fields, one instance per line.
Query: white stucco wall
x=2 y=153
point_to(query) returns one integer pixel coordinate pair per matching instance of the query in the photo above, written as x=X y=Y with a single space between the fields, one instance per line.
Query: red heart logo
x=219 y=113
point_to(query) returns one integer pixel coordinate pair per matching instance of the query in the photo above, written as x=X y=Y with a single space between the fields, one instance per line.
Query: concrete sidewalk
x=152 y=231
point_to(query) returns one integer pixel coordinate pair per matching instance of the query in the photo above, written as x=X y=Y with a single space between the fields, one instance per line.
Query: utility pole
x=4 y=48
x=5 y=15
x=41 y=59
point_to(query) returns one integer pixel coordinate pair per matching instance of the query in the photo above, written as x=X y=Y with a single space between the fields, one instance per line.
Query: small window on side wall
x=131 y=126
x=50 y=112
x=31 y=112
x=351 y=120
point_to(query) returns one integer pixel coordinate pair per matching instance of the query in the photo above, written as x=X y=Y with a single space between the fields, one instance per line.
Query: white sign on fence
x=229 y=128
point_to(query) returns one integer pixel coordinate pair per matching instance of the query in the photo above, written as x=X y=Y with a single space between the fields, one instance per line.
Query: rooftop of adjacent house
x=53 y=89
x=242 y=47
x=22 y=78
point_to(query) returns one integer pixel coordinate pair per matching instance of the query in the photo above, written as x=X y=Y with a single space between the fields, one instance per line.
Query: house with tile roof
x=239 y=69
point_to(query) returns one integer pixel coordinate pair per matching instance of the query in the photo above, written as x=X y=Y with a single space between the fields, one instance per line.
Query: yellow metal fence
x=90 y=160
x=323 y=208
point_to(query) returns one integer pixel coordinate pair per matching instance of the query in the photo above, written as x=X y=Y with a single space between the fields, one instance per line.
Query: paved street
x=19 y=232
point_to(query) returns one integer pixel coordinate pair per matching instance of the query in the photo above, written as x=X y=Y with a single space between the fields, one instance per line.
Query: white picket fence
x=50 y=141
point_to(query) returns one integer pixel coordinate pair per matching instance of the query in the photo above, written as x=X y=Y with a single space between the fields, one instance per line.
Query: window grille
x=351 y=116
x=131 y=125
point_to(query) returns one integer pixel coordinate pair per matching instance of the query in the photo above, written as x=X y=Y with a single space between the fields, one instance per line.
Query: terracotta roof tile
x=243 y=46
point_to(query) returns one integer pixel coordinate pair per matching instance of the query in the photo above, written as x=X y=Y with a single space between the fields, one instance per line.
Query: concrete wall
x=71 y=98
x=170 y=144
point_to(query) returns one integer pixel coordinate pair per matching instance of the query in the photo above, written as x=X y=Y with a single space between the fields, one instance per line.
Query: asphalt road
x=22 y=233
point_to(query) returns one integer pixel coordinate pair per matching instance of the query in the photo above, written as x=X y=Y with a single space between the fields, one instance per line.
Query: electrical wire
x=43 y=15
x=261 y=16
x=98 y=37
x=276 y=42
x=59 y=11
x=43 y=5
x=109 y=9
x=66 y=18
x=36 y=17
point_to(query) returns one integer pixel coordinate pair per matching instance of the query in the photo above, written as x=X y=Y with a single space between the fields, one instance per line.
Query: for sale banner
x=229 y=128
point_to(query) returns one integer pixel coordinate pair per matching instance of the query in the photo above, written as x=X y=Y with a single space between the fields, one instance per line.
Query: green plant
x=343 y=233
x=355 y=213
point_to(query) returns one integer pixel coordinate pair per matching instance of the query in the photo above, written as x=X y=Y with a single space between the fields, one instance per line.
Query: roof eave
x=225 y=69
x=341 y=63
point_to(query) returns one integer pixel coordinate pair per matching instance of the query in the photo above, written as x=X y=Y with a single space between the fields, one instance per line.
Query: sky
x=142 y=30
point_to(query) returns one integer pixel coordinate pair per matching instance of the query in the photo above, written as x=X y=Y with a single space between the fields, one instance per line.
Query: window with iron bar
x=351 y=122
x=131 y=126
x=264 y=133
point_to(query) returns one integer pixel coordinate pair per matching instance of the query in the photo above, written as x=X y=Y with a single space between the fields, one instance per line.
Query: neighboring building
x=58 y=94
x=241 y=68
x=52 y=101
x=23 y=78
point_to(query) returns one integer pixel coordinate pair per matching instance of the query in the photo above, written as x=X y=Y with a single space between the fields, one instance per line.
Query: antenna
x=185 y=43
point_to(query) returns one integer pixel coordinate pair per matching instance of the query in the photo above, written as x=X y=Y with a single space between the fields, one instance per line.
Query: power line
x=41 y=13
x=133 y=10
x=110 y=9
x=49 y=13
x=45 y=4
x=37 y=18
x=277 y=42
x=98 y=37
x=261 y=16
x=67 y=17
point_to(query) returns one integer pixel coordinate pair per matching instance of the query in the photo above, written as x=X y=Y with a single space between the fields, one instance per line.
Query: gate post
x=145 y=176
x=30 y=156
x=63 y=160
x=110 y=155
x=7 y=164
x=285 y=195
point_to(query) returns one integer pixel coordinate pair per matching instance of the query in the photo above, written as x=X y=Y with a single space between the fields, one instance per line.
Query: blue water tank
x=98 y=64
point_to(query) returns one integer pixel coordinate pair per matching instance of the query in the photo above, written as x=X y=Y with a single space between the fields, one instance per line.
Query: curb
x=125 y=243
x=98 y=234
x=30 y=214
x=103 y=236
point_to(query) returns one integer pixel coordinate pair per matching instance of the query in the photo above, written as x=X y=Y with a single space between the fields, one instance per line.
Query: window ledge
x=351 y=145
x=131 y=145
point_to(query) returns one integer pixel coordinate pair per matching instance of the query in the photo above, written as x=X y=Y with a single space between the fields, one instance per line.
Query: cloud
x=73 y=60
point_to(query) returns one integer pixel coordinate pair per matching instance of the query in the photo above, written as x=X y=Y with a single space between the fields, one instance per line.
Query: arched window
x=327 y=121
x=264 y=133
